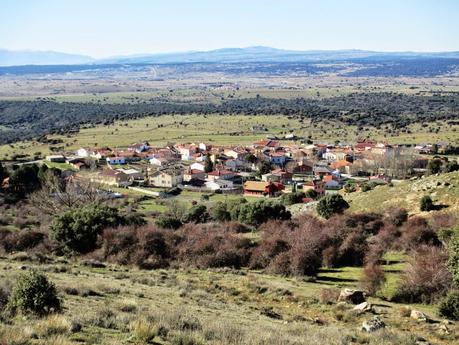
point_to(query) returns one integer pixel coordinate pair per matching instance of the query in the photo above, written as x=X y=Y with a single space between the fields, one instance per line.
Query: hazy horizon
x=117 y=28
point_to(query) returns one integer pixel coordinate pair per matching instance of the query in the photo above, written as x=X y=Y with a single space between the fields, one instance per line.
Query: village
x=267 y=168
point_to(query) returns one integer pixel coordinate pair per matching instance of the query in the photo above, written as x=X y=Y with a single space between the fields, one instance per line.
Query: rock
x=351 y=296
x=94 y=264
x=418 y=315
x=363 y=307
x=269 y=312
x=373 y=325
x=442 y=328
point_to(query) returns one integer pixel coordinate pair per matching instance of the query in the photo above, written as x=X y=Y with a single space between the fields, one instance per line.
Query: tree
x=263 y=168
x=77 y=229
x=220 y=212
x=258 y=212
x=33 y=293
x=434 y=166
x=197 y=214
x=451 y=166
x=292 y=198
x=58 y=195
x=251 y=158
x=311 y=193
x=3 y=174
x=24 y=180
x=330 y=205
x=426 y=203
x=449 y=306
x=209 y=166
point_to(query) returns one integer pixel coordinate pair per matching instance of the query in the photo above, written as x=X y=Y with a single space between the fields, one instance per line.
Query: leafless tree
x=58 y=194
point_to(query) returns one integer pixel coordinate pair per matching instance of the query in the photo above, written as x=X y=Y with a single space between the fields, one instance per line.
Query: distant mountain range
x=225 y=55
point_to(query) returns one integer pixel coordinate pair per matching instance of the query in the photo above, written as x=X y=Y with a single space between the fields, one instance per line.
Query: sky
x=102 y=28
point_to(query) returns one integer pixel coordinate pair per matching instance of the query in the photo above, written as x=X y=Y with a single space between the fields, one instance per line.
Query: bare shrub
x=372 y=279
x=426 y=277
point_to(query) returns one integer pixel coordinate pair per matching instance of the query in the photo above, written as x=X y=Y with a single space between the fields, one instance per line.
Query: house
x=322 y=171
x=304 y=167
x=316 y=185
x=342 y=166
x=364 y=144
x=221 y=174
x=277 y=175
x=140 y=147
x=112 y=177
x=278 y=158
x=219 y=185
x=168 y=178
x=236 y=152
x=133 y=174
x=235 y=164
x=187 y=151
x=193 y=174
x=262 y=189
x=331 y=182
x=84 y=152
x=116 y=160
x=198 y=166
x=56 y=158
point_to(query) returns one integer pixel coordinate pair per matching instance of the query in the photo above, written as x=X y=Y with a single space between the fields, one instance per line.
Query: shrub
x=288 y=199
x=426 y=203
x=260 y=211
x=197 y=214
x=77 y=229
x=449 y=306
x=329 y=295
x=397 y=216
x=330 y=205
x=453 y=259
x=311 y=193
x=168 y=222
x=220 y=212
x=416 y=232
x=5 y=292
x=206 y=246
x=372 y=279
x=33 y=293
x=23 y=240
x=426 y=278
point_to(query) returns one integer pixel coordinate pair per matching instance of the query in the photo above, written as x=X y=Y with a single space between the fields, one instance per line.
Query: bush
x=453 y=259
x=288 y=199
x=205 y=246
x=33 y=293
x=311 y=193
x=77 y=229
x=426 y=204
x=426 y=278
x=220 y=212
x=23 y=240
x=168 y=222
x=329 y=295
x=449 y=306
x=197 y=214
x=416 y=232
x=372 y=279
x=260 y=211
x=330 y=205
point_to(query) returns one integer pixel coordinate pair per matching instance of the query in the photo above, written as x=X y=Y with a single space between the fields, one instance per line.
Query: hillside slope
x=443 y=188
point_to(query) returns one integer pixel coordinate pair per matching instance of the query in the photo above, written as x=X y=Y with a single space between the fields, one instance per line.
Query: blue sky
x=114 y=27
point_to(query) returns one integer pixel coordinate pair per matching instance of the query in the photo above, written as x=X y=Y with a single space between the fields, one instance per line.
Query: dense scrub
x=32 y=119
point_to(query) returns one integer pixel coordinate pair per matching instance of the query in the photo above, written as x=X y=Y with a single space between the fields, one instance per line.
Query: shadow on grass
x=335 y=279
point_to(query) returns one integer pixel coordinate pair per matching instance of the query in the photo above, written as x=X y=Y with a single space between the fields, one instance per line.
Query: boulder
x=363 y=308
x=418 y=315
x=373 y=325
x=351 y=296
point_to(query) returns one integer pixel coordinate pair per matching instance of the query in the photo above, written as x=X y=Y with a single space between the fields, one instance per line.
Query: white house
x=132 y=174
x=82 y=152
x=198 y=166
x=219 y=184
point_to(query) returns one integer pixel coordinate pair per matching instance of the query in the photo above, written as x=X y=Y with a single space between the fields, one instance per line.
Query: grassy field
x=120 y=305
x=222 y=130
